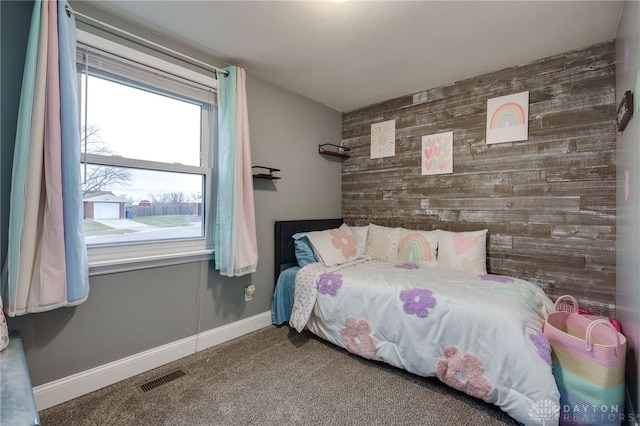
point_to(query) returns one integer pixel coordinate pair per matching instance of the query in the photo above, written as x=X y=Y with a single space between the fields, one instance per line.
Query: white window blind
x=109 y=63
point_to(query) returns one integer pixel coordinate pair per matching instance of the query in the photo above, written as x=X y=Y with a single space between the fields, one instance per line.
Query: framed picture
x=437 y=154
x=383 y=139
x=625 y=111
x=508 y=118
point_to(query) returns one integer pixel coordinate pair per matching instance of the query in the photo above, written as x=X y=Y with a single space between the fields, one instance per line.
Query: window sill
x=146 y=262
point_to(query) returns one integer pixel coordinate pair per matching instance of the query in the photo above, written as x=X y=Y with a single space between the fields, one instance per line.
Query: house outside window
x=147 y=141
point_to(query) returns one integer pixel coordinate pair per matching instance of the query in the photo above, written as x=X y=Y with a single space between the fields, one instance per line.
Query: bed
x=422 y=301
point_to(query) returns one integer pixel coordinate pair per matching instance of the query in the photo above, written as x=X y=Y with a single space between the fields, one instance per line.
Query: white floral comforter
x=479 y=334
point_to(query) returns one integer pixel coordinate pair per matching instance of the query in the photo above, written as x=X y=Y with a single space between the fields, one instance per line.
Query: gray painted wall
x=131 y=312
x=628 y=208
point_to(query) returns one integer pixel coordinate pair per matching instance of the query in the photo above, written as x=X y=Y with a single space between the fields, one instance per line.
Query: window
x=147 y=130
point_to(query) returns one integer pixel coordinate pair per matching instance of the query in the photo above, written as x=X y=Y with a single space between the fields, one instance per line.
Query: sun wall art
x=437 y=154
x=508 y=118
x=383 y=139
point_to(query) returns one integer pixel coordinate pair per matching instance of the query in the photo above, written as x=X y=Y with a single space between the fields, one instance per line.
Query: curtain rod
x=89 y=20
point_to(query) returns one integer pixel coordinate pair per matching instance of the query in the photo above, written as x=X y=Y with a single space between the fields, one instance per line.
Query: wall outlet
x=248 y=292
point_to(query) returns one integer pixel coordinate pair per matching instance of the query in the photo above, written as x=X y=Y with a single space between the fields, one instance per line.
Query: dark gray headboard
x=284 y=248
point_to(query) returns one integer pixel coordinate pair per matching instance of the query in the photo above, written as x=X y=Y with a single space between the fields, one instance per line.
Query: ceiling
x=356 y=53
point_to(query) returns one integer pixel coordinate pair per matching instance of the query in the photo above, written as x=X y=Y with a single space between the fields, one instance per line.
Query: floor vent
x=159 y=381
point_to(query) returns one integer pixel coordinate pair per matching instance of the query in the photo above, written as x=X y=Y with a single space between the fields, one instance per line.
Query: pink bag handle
x=573 y=300
x=589 y=345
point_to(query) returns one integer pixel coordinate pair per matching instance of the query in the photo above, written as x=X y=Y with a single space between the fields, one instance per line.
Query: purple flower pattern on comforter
x=483 y=331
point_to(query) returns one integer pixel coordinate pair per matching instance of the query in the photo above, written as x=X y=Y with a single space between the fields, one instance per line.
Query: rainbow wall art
x=508 y=118
x=437 y=154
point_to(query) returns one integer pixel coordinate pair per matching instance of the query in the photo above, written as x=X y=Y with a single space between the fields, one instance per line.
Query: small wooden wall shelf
x=334 y=150
x=267 y=174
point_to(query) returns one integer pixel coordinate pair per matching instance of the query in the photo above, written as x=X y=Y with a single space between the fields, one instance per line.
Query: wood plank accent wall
x=549 y=203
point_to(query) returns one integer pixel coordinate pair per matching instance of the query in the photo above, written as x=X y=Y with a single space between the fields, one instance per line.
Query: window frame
x=126 y=256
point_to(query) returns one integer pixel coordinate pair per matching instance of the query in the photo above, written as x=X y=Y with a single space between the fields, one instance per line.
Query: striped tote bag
x=588 y=361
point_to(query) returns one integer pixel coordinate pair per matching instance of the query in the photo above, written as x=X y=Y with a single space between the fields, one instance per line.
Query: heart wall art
x=437 y=154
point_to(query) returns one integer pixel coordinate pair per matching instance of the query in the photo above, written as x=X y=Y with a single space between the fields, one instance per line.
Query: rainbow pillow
x=418 y=247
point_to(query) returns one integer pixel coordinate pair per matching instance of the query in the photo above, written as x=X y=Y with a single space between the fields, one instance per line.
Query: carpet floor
x=276 y=376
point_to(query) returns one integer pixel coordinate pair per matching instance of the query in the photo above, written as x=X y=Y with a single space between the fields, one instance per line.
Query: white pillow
x=463 y=251
x=418 y=247
x=382 y=242
x=334 y=247
x=361 y=233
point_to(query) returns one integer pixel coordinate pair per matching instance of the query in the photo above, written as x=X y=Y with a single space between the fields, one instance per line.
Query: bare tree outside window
x=99 y=178
x=169 y=198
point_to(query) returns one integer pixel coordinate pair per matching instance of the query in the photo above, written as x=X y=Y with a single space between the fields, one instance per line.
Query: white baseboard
x=65 y=389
